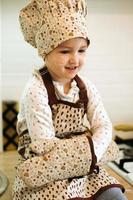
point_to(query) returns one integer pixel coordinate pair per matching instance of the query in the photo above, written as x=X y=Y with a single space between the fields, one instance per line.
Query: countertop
x=8 y=161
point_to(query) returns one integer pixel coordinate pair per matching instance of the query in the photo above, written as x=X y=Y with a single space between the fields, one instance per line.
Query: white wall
x=109 y=61
x=0 y=86
x=18 y=58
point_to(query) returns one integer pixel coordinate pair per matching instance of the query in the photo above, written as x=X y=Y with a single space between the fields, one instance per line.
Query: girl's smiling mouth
x=71 y=68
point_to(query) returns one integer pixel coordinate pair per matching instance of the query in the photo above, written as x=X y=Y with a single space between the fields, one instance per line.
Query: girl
x=54 y=104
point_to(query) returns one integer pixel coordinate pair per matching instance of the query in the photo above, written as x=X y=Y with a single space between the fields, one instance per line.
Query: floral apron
x=68 y=120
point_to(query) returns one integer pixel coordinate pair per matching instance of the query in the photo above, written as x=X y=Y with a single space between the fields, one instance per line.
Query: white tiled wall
x=109 y=61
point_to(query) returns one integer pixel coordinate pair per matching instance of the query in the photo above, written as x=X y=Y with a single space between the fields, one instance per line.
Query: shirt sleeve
x=100 y=124
x=38 y=113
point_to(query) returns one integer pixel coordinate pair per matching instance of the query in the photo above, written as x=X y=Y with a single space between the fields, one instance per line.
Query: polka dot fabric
x=46 y=24
x=67 y=119
x=84 y=187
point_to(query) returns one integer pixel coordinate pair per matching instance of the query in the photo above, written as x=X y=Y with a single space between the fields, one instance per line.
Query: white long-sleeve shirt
x=36 y=116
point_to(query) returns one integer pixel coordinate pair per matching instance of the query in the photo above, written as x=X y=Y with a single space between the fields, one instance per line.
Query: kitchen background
x=109 y=61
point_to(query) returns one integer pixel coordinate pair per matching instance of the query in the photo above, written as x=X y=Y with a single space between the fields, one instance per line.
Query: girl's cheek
x=63 y=60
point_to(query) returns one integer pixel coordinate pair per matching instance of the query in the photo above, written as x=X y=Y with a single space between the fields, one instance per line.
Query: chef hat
x=47 y=23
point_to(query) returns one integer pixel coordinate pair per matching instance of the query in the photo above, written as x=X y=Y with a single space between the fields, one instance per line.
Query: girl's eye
x=64 y=51
x=82 y=50
x=69 y=51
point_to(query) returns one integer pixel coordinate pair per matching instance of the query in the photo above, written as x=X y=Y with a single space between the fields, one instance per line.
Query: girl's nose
x=74 y=59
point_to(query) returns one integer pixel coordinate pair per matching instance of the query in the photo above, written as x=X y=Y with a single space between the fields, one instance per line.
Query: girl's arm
x=35 y=116
x=100 y=125
x=35 y=112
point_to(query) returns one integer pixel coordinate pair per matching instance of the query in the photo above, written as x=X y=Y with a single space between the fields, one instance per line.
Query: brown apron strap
x=49 y=85
x=51 y=91
x=83 y=92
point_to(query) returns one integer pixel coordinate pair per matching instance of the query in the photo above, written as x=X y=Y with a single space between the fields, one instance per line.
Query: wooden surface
x=8 y=161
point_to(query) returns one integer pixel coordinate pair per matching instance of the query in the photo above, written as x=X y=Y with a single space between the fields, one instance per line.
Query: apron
x=68 y=119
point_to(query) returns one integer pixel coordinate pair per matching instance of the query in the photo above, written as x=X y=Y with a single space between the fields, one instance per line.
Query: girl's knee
x=112 y=194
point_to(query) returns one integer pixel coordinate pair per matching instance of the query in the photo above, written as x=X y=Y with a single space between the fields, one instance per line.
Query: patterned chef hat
x=47 y=23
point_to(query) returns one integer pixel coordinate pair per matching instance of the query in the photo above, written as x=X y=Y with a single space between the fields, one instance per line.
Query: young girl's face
x=67 y=59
